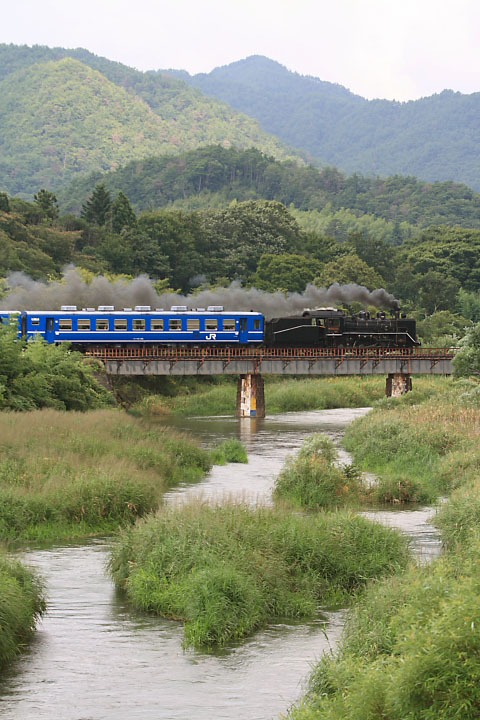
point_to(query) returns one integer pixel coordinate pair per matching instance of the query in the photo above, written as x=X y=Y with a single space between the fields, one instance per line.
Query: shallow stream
x=95 y=659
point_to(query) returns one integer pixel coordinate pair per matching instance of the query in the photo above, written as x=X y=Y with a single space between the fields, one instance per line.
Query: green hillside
x=434 y=138
x=61 y=116
x=215 y=176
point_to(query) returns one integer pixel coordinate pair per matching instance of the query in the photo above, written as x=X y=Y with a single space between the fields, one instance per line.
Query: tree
x=349 y=269
x=289 y=273
x=4 y=204
x=122 y=213
x=48 y=204
x=437 y=291
x=467 y=360
x=98 y=208
x=469 y=304
x=440 y=324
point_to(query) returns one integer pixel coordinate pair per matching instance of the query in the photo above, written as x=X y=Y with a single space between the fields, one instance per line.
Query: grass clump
x=73 y=474
x=21 y=604
x=229 y=451
x=226 y=571
x=312 y=480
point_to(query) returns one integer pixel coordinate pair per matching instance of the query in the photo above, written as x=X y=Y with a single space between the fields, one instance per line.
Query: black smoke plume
x=28 y=294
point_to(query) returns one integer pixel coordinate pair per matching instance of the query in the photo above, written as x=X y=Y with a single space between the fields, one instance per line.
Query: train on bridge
x=180 y=326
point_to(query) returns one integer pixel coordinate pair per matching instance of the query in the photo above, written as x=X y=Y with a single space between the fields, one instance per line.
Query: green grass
x=74 y=474
x=229 y=451
x=21 y=604
x=226 y=571
x=311 y=479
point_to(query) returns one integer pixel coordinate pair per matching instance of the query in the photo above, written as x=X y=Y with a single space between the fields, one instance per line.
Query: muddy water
x=93 y=659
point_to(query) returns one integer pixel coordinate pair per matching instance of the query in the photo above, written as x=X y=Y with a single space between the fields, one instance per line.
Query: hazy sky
x=395 y=49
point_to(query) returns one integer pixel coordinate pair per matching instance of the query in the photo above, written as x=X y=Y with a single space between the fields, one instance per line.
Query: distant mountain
x=434 y=138
x=69 y=112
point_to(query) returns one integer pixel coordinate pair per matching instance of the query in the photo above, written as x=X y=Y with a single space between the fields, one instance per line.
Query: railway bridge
x=251 y=363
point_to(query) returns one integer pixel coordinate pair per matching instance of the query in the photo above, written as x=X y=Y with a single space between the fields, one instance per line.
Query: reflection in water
x=94 y=659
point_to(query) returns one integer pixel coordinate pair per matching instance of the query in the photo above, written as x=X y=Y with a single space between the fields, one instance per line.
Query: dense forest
x=435 y=273
x=68 y=112
x=434 y=138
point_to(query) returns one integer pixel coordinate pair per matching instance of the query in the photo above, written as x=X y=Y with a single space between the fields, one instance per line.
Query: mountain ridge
x=433 y=138
x=183 y=117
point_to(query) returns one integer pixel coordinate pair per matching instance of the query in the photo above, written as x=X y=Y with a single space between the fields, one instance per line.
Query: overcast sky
x=395 y=49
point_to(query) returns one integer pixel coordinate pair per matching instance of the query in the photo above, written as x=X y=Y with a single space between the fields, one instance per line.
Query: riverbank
x=66 y=475
x=411 y=645
x=281 y=395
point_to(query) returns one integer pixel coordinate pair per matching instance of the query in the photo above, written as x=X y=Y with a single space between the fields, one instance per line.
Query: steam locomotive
x=181 y=326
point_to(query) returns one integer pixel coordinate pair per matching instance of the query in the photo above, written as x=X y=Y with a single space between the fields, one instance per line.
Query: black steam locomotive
x=329 y=327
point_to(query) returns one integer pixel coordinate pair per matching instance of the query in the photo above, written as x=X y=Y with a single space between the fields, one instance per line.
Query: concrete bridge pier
x=250 y=396
x=398 y=384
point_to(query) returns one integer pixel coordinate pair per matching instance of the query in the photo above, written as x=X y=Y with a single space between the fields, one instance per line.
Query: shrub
x=312 y=480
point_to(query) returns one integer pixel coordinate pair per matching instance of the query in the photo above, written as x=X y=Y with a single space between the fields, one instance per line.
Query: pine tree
x=122 y=213
x=4 y=204
x=98 y=208
x=48 y=203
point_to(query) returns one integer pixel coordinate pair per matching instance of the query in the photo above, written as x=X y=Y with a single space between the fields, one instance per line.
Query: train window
x=157 y=324
x=176 y=324
x=211 y=324
x=65 y=324
x=35 y=322
x=83 y=324
x=101 y=324
x=243 y=324
x=229 y=325
x=120 y=324
x=314 y=321
x=256 y=324
x=193 y=324
x=139 y=324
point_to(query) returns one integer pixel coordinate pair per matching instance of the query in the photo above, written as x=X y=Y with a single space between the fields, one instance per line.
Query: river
x=94 y=659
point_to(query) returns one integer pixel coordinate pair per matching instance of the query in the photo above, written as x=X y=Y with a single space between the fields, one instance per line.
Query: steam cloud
x=28 y=294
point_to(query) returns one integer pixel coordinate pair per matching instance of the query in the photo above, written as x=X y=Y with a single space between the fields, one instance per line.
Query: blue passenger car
x=141 y=325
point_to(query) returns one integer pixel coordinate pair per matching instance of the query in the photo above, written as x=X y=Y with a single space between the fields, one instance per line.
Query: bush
x=312 y=480
x=36 y=375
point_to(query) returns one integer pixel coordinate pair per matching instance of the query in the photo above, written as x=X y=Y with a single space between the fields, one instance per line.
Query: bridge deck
x=172 y=360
